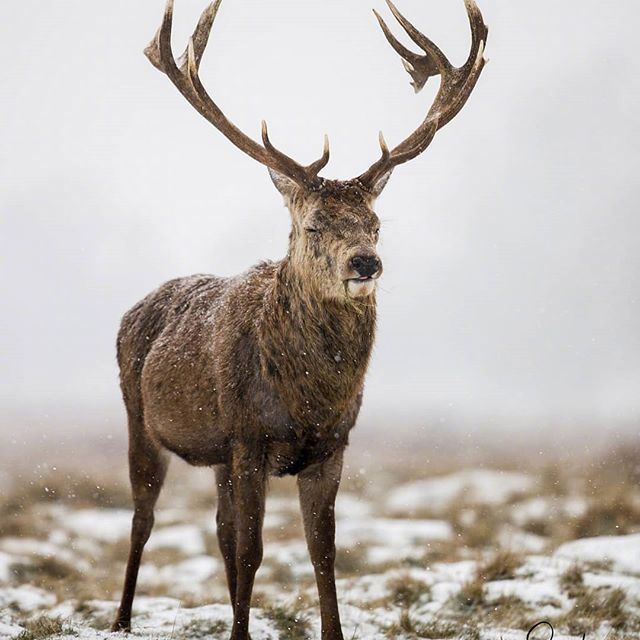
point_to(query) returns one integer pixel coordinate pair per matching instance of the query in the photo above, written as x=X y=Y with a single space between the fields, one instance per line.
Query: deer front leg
x=226 y=527
x=318 y=486
x=249 y=484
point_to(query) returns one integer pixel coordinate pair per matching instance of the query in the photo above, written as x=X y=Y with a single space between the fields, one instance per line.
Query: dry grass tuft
x=405 y=591
x=471 y=596
x=97 y=619
x=405 y=624
x=508 y=611
x=44 y=627
x=291 y=624
x=539 y=527
x=20 y=524
x=280 y=573
x=608 y=514
x=436 y=628
x=613 y=608
x=48 y=573
x=351 y=561
x=439 y=629
x=593 y=607
x=42 y=571
x=480 y=531
x=502 y=566
x=204 y=628
x=572 y=581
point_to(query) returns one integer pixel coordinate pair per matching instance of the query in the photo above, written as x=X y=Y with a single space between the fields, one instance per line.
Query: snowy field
x=475 y=552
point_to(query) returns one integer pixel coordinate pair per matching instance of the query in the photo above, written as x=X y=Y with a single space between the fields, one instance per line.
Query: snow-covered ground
x=474 y=553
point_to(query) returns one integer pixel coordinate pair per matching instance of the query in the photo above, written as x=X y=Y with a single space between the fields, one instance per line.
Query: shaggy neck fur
x=315 y=351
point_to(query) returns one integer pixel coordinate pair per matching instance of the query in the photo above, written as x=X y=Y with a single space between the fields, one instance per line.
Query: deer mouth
x=361 y=286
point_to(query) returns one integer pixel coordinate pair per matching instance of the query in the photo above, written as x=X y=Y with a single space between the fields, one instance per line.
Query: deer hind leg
x=147 y=471
x=226 y=527
x=248 y=480
x=318 y=487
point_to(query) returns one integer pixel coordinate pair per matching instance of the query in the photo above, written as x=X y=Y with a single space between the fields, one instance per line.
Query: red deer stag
x=262 y=374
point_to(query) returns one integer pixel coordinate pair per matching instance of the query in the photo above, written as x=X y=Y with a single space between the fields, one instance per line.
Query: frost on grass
x=476 y=553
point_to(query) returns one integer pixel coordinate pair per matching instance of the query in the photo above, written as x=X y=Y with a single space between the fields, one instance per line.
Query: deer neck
x=315 y=351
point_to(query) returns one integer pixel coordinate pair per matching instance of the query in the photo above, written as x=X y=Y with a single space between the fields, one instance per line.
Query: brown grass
x=482 y=530
x=502 y=566
x=611 y=513
x=204 y=629
x=20 y=524
x=79 y=490
x=405 y=591
x=47 y=573
x=612 y=508
x=471 y=596
x=507 y=611
x=281 y=573
x=553 y=481
x=539 y=527
x=408 y=626
x=44 y=627
x=351 y=561
x=290 y=530
x=593 y=607
x=572 y=581
x=47 y=568
x=290 y=623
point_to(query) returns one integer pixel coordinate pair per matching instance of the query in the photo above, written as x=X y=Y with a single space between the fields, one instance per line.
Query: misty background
x=512 y=273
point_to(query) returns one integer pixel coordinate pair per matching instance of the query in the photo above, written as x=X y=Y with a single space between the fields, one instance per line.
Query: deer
x=262 y=374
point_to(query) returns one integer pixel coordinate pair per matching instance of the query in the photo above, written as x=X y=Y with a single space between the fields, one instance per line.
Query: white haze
x=512 y=270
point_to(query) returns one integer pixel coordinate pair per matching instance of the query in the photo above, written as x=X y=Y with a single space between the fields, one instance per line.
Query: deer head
x=334 y=226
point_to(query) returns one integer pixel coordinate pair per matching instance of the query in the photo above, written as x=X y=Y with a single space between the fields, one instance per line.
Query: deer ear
x=284 y=185
x=381 y=184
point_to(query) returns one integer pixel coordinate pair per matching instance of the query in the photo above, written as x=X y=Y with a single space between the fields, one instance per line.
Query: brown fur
x=261 y=374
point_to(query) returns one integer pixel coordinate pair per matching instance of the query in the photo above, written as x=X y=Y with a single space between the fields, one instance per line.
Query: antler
x=456 y=85
x=184 y=75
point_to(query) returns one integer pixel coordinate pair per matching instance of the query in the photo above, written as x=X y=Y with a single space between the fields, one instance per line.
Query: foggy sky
x=512 y=271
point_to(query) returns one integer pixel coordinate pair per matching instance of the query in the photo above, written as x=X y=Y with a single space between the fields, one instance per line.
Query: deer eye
x=311 y=230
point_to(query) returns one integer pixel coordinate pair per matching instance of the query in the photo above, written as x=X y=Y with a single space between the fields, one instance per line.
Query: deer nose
x=366 y=265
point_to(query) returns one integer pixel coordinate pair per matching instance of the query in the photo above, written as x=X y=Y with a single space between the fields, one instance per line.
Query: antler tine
x=427 y=45
x=479 y=31
x=200 y=36
x=295 y=169
x=421 y=139
x=383 y=146
x=456 y=85
x=186 y=79
x=157 y=51
x=316 y=167
x=420 y=68
x=309 y=173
